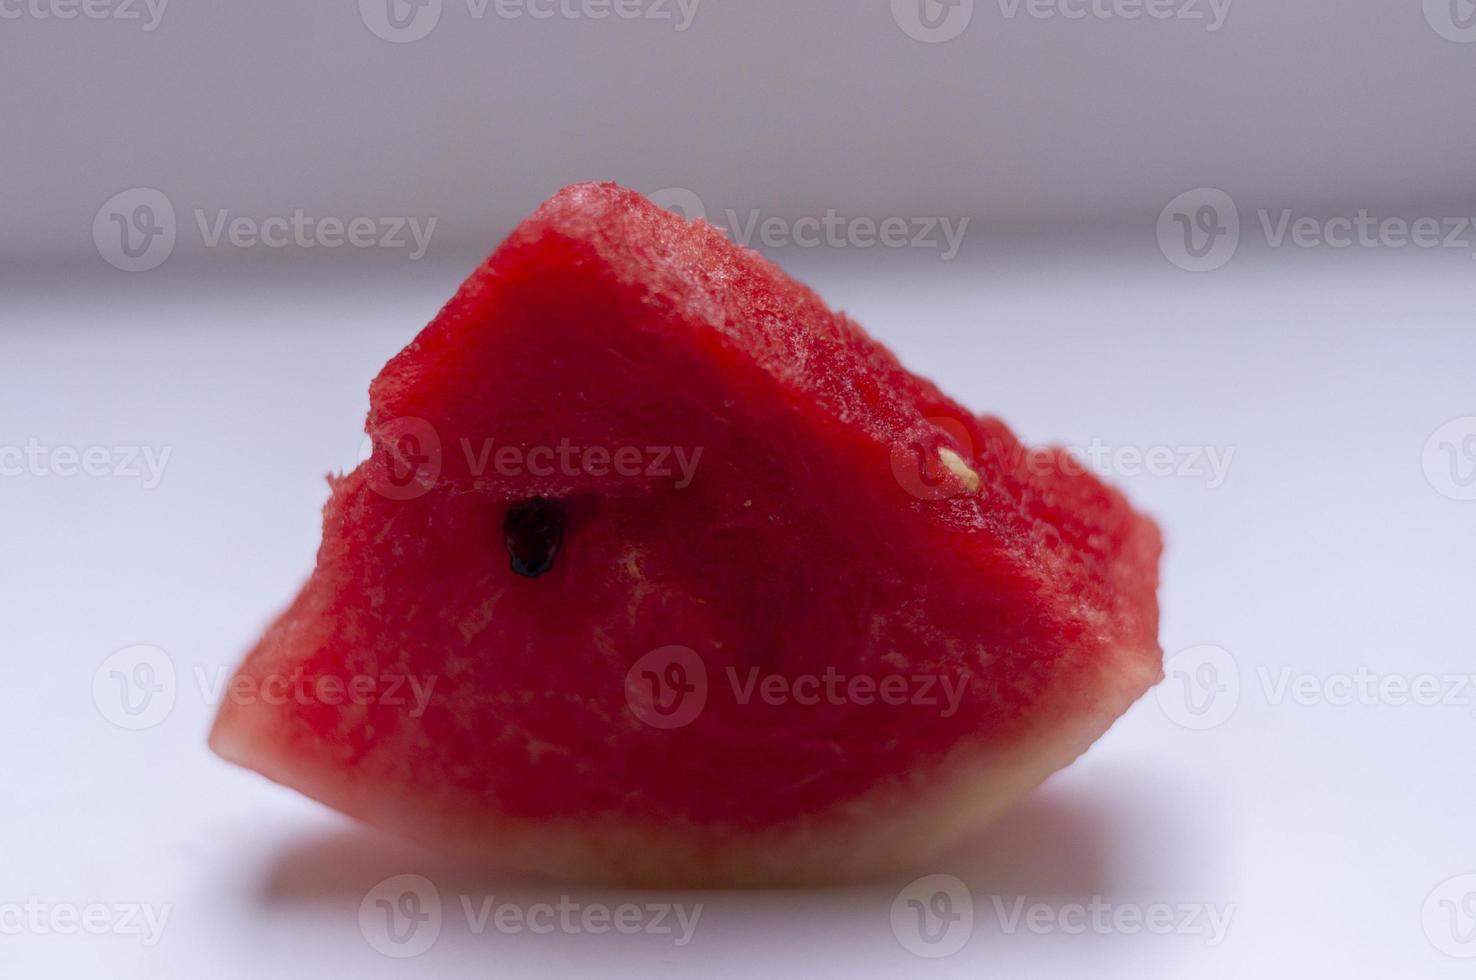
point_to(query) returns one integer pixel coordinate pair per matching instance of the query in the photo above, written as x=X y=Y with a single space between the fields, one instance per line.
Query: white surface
x=1325 y=550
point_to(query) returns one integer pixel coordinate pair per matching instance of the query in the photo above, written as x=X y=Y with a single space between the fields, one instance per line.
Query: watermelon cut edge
x=894 y=828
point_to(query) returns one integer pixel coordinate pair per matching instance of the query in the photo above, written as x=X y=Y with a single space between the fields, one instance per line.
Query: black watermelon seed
x=533 y=530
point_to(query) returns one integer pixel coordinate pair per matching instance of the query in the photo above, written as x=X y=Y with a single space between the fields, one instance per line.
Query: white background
x=1336 y=542
x=787 y=106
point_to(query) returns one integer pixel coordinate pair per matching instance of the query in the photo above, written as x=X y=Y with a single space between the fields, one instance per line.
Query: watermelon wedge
x=660 y=572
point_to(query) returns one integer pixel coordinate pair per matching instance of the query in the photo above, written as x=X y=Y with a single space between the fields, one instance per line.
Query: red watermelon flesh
x=632 y=468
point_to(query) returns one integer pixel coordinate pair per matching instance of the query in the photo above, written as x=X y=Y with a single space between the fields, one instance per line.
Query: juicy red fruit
x=1018 y=599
